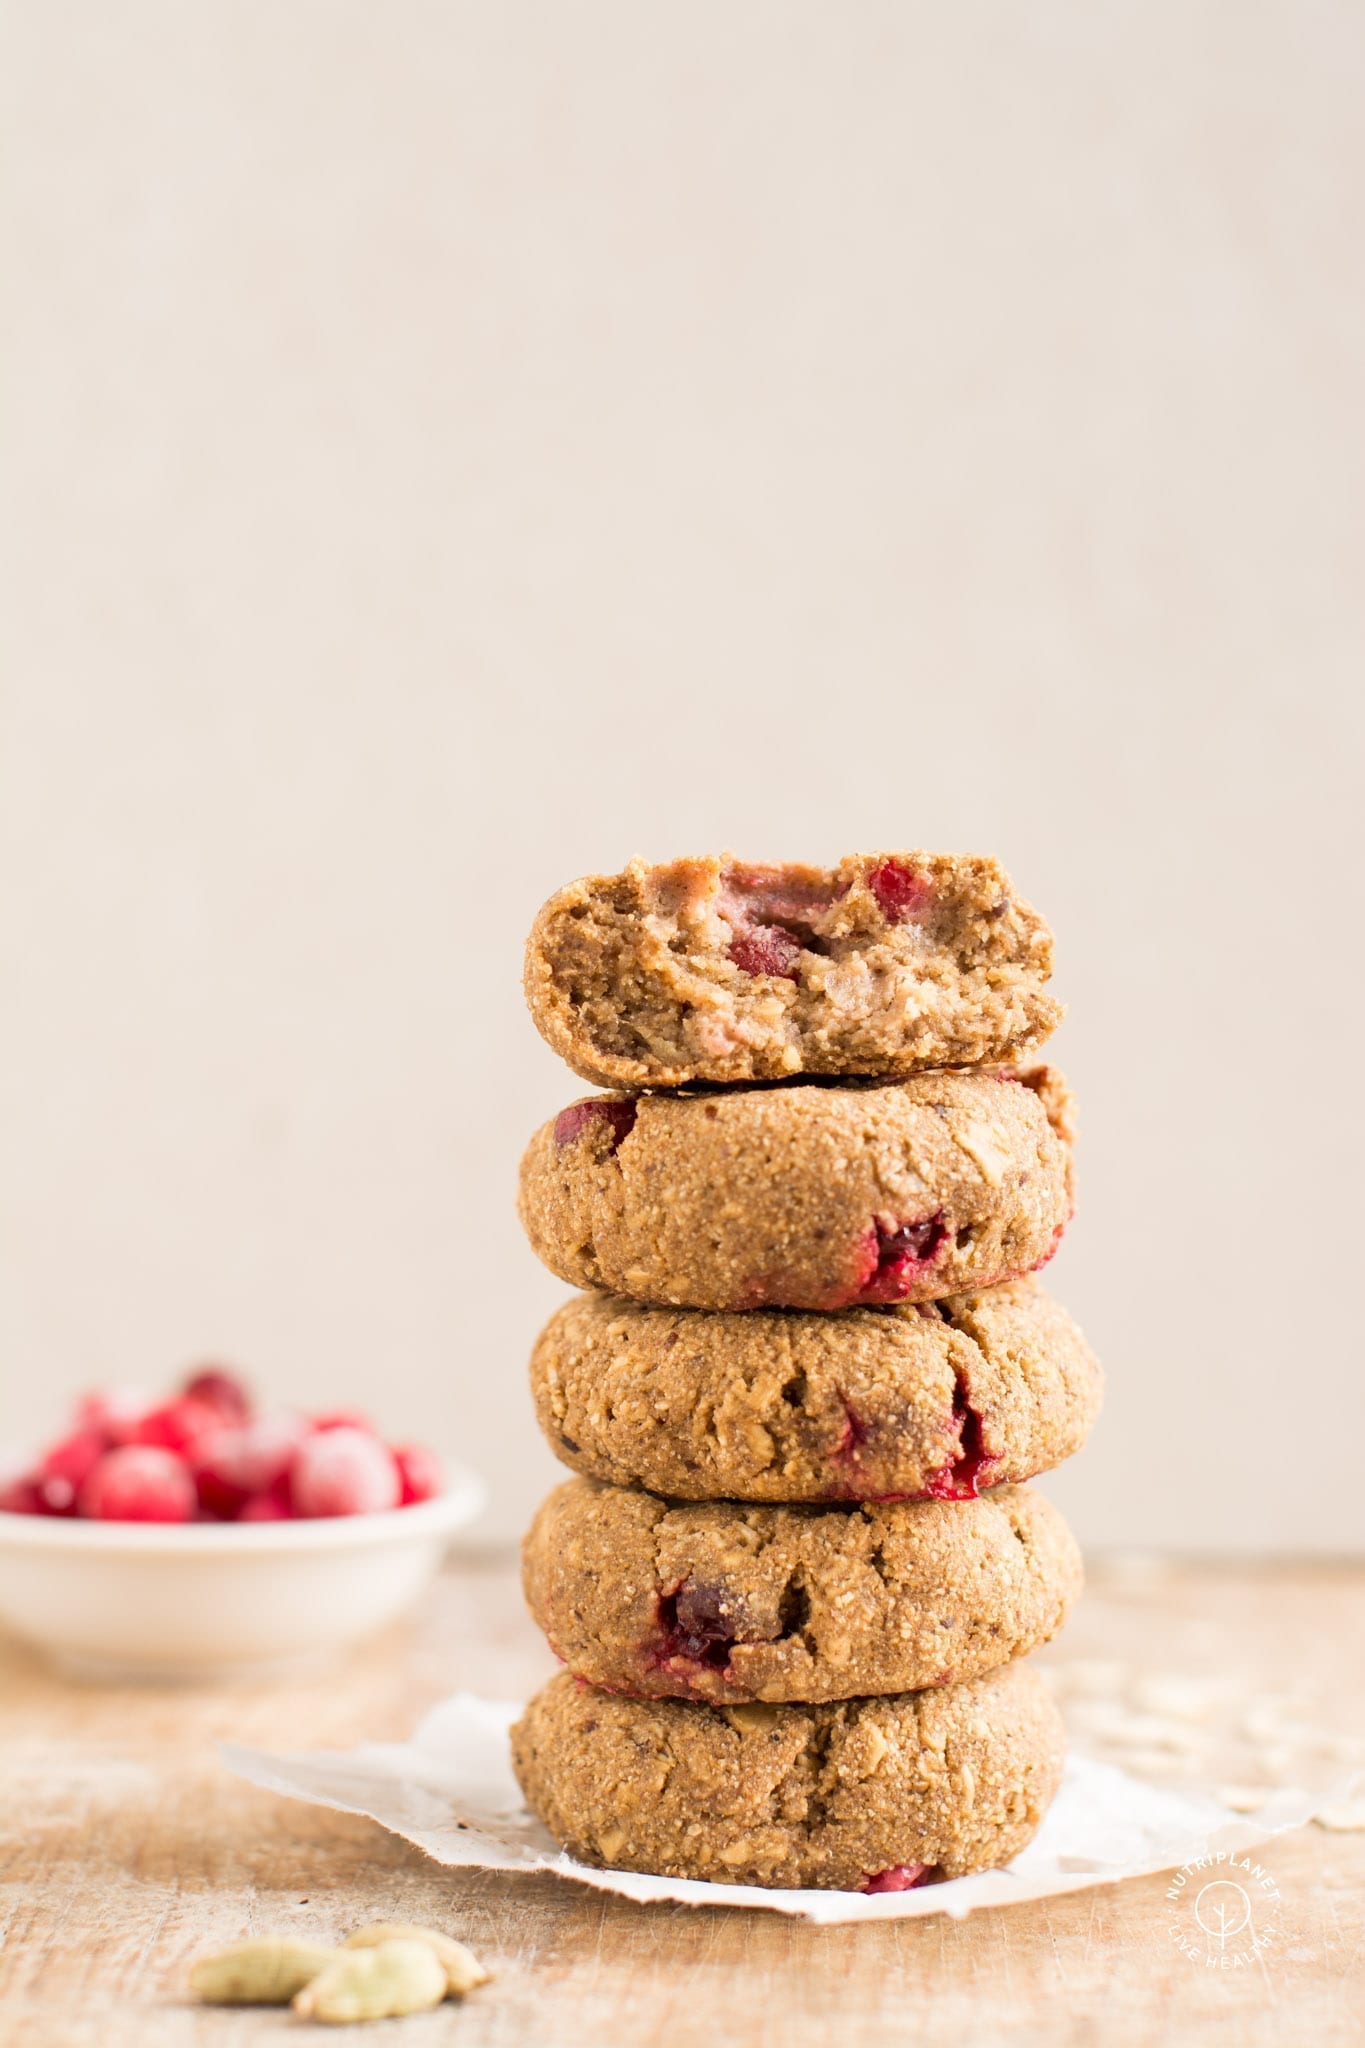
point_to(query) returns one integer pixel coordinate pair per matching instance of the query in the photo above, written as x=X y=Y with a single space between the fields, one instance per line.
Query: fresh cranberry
x=901 y=1877
x=234 y=1463
x=899 y=891
x=341 y=1418
x=138 y=1483
x=960 y=1478
x=344 y=1472
x=64 y=1469
x=176 y=1424
x=765 y=949
x=895 y=1258
x=616 y=1112
x=220 y=1389
x=419 y=1473
x=695 y=1627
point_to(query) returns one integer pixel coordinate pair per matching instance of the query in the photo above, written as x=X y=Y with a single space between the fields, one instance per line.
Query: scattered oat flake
x=1187 y=1699
x=1244 y=1798
x=1346 y=1818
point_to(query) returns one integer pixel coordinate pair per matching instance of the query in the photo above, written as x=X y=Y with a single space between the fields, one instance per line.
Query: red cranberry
x=341 y=1418
x=138 y=1483
x=854 y=1434
x=21 y=1497
x=616 y=1113
x=274 y=1506
x=220 y=1389
x=419 y=1473
x=112 y=1413
x=176 y=1424
x=765 y=949
x=233 y=1464
x=64 y=1468
x=901 y=1877
x=899 y=891
x=344 y=1472
x=960 y=1478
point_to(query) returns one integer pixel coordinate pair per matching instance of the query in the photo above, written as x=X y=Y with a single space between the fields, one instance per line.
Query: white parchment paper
x=450 y=1789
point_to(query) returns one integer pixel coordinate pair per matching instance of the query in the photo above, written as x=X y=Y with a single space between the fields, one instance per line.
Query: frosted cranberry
x=765 y=949
x=176 y=1424
x=694 y=1626
x=274 y=1506
x=419 y=1473
x=617 y=1114
x=21 y=1497
x=341 y=1418
x=899 y=891
x=219 y=1389
x=900 y=1877
x=64 y=1468
x=896 y=1258
x=138 y=1483
x=233 y=1463
x=344 y=1472
x=113 y=1413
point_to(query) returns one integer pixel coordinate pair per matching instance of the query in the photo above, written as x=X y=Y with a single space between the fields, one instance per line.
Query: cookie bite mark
x=899 y=892
x=693 y=1628
x=608 y=1113
x=894 y=1258
x=901 y=1877
x=961 y=1477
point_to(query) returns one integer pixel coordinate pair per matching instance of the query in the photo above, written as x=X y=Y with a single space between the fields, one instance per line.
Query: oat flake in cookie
x=712 y=970
x=805 y=1195
x=930 y=1399
x=869 y=1795
x=722 y=1602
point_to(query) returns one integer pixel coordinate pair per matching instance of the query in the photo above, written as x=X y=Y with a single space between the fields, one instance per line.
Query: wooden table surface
x=127 y=1848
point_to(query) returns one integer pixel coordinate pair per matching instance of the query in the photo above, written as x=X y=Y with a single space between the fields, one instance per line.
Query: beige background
x=451 y=447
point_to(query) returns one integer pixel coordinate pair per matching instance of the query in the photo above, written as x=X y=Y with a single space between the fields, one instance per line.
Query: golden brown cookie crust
x=722 y=1602
x=929 y=1399
x=719 y=970
x=839 y=1797
x=804 y=1196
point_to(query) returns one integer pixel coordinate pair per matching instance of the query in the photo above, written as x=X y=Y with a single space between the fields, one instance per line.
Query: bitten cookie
x=926 y=1399
x=870 y=1795
x=804 y=1196
x=717 y=1601
x=711 y=970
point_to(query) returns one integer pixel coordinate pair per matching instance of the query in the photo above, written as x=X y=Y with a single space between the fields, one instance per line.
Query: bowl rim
x=459 y=1501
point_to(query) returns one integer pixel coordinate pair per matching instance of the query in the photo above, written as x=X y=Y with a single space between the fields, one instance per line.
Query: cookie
x=721 y=1602
x=870 y=1795
x=805 y=1195
x=711 y=970
x=925 y=1399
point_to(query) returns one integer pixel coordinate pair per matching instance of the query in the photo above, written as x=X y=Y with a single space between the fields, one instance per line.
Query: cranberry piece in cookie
x=695 y=1626
x=897 y=1256
x=901 y=1877
x=616 y=1113
x=901 y=894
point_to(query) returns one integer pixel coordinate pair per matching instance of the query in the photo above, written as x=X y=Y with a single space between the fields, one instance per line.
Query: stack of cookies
x=798 y=1575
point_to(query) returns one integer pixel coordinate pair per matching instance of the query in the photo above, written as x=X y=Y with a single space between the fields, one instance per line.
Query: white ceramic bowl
x=174 y=1602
